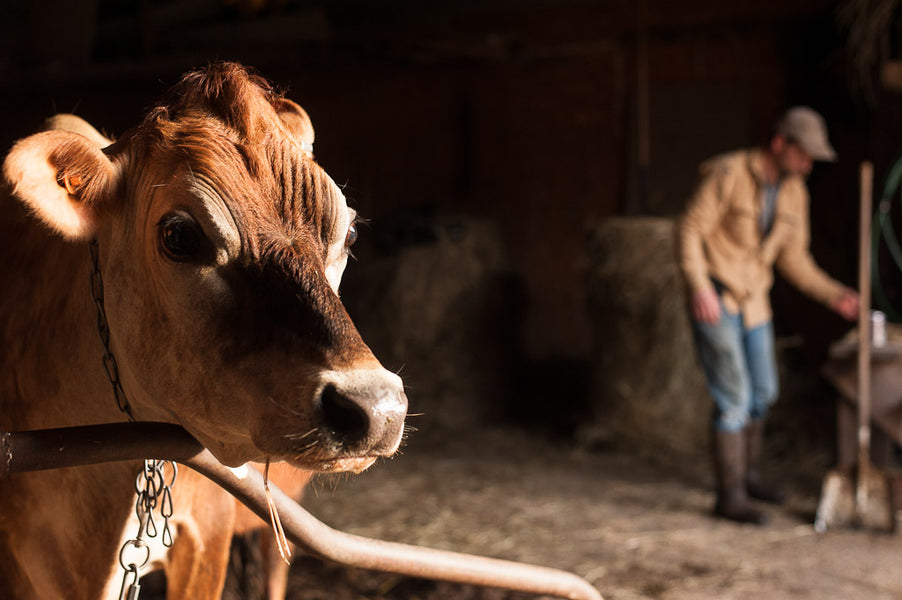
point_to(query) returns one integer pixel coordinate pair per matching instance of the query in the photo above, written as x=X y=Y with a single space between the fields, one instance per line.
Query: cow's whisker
x=306 y=450
x=285 y=408
x=300 y=436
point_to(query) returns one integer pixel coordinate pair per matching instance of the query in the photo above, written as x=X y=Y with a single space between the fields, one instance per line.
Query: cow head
x=221 y=246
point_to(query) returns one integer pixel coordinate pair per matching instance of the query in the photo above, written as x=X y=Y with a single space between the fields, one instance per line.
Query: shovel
x=863 y=500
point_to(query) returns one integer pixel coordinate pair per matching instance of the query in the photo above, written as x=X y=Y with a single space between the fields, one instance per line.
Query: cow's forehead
x=233 y=133
x=270 y=188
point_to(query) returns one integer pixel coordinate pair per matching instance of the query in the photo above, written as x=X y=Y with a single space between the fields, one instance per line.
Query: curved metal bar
x=74 y=446
x=44 y=449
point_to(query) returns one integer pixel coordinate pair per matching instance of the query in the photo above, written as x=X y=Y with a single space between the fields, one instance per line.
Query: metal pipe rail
x=75 y=446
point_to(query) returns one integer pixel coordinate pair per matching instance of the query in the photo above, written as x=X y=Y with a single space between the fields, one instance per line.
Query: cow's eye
x=182 y=239
x=351 y=237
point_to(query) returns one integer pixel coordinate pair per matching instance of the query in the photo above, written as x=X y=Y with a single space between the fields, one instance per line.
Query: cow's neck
x=53 y=340
x=58 y=380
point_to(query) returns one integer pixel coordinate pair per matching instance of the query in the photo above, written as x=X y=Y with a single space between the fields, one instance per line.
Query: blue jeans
x=740 y=367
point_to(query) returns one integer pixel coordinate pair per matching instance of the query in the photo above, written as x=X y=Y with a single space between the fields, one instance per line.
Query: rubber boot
x=756 y=489
x=729 y=461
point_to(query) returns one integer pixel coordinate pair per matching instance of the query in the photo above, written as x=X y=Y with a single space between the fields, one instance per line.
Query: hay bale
x=433 y=298
x=648 y=392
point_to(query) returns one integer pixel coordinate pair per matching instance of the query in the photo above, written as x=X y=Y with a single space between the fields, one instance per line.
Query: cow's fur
x=221 y=246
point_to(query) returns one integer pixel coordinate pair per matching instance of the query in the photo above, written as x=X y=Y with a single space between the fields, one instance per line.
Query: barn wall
x=522 y=114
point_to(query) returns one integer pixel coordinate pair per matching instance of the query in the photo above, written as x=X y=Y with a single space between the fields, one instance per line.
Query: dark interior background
x=543 y=118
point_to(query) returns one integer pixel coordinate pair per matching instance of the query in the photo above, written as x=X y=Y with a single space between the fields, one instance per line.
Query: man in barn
x=748 y=214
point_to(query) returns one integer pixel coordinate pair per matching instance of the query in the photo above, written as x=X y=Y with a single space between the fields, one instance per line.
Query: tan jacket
x=719 y=237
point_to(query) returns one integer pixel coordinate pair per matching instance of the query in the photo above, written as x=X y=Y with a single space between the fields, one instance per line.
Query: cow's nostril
x=347 y=420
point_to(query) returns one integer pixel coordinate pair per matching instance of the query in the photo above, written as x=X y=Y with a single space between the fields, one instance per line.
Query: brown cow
x=220 y=246
x=289 y=479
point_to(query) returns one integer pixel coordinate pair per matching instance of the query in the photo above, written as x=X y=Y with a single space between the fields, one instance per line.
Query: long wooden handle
x=864 y=337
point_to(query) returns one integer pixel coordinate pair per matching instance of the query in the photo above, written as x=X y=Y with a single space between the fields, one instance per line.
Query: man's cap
x=807 y=128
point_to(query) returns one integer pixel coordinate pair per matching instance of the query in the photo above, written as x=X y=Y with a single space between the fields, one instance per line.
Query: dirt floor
x=632 y=529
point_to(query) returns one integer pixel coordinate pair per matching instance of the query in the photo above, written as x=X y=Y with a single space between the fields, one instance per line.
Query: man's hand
x=706 y=306
x=846 y=304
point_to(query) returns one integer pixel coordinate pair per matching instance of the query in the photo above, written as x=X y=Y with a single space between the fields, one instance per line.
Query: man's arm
x=797 y=265
x=704 y=212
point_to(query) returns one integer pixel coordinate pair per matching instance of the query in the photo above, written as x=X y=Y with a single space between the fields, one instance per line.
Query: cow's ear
x=63 y=178
x=75 y=124
x=297 y=121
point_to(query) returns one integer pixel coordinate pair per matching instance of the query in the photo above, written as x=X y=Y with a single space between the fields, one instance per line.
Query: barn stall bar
x=76 y=446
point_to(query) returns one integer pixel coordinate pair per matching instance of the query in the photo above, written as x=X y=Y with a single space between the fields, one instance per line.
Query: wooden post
x=864 y=338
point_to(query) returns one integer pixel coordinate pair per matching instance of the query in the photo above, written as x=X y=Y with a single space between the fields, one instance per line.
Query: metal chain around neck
x=103 y=328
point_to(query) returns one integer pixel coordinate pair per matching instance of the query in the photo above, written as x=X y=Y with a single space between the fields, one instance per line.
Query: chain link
x=153 y=489
x=103 y=328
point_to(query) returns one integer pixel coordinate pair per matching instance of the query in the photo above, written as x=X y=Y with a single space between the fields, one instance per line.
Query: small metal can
x=878 y=328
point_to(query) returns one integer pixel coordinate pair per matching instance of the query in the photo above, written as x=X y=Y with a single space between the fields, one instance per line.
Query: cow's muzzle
x=361 y=413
